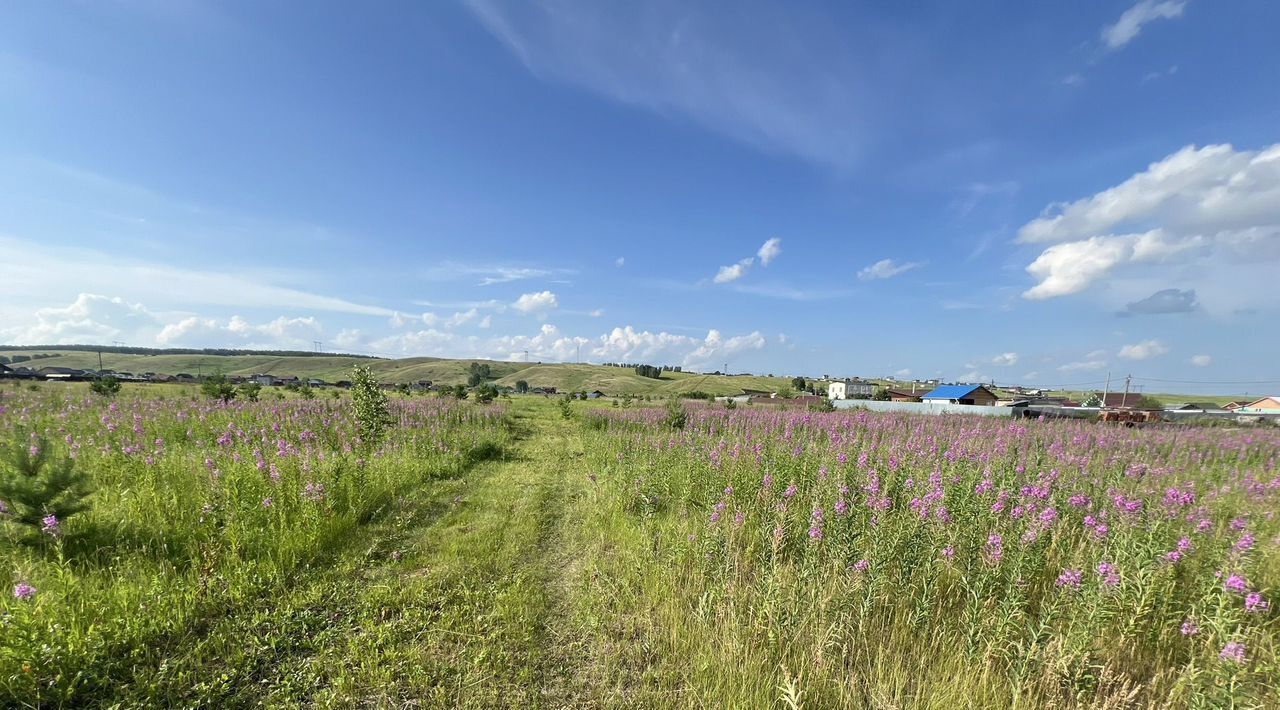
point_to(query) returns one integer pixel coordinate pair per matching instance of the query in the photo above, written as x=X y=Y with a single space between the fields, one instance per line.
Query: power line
x=1211 y=382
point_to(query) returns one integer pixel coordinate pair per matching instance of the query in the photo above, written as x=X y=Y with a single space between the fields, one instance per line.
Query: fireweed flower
x=23 y=591
x=1107 y=572
x=995 y=548
x=1245 y=543
x=1233 y=652
x=1254 y=603
x=49 y=524
x=1070 y=578
x=949 y=553
x=862 y=565
x=267 y=502
x=1235 y=583
x=767 y=482
x=790 y=492
x=1189 y=628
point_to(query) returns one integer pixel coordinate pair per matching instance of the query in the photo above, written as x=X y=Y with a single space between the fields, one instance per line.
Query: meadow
x=533 y=554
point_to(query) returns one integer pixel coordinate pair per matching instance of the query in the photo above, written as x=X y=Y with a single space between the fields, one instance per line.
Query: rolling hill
x=564 y=377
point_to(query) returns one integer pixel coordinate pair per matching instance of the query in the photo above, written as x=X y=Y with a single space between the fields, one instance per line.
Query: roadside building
x=896 y=395
x=962 y=394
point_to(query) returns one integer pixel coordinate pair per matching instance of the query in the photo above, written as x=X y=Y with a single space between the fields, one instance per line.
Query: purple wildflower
x=1254 y=603
x=1107 y=572
x=1235 y=583
x=1233 y=651
x=267 y=502
x=1070 y=578
x=23 y=591
x=1190 y=628
x=50 y=524
x=862 y=565
x=790 y=492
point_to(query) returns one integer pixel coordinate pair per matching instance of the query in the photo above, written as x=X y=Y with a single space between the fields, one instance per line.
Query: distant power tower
x=319 y=346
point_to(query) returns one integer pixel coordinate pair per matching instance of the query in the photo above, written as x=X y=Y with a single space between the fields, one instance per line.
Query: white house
x=850 y=389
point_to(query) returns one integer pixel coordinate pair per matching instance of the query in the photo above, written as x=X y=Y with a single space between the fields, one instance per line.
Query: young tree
x=676 y=417
x=486 y=393
x=218 y=387
x=799 y=384
x=522 y=387
x=250 y=390
x=477 y=373
x=105 y=386
x=370 y=402
x=39 y=491
x=881 y=394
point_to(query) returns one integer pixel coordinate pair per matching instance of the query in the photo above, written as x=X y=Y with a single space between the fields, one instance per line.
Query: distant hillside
x=564 y=377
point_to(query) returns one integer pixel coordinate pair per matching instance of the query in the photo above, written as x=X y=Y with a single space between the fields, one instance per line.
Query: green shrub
x=40 y=492
x=105 y=386
x=370 y=402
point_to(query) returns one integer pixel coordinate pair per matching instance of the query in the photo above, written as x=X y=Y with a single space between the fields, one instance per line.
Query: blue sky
x=1022 y=192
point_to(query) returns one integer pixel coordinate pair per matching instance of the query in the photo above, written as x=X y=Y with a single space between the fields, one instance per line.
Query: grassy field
x=526 y=554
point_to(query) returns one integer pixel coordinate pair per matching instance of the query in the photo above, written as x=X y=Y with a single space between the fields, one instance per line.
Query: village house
x=896 y=395
x=1266 y=405
x=851 y=389
x=962 y=394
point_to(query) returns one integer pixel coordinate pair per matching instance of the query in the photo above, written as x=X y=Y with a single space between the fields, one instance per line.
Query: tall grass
x=200 y=509
x=758 y=558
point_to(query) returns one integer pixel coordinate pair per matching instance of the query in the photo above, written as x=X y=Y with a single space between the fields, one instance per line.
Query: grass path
x=455 y=597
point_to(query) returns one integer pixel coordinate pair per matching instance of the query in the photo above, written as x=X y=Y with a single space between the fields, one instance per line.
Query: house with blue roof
x=962 y=394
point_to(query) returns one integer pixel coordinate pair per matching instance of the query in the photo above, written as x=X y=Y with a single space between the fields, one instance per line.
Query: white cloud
x=348 y=338
x=1144 y=350
x=903 y=373
x=1005 y=359
x=282 y=333
x=769 y=251
x=1090 y=363
x=485 y=322
x=539 y=303
x=1201 y=360
x=90 y=319
x=463 y=317
x=596 y=313
x=727 y=274
x=974 y=376
x=1126 y=28
x=625 y=344
x=885 y=269
x=1210 y=215
x=620 y=261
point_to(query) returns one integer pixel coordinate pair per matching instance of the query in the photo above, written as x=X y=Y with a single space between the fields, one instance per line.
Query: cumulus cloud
x=1215 y=208
x=1130 y=24
x=1201 y=360
x=1095 y=360
x=620 y=261
x=769 y=251
x=1144 y=350
x=727 y=274
x=1169 y=300
x=538 y=304
x=903 y=373
x=91 y=318
x=281 y=333
x=885 y=269
x=626 y=344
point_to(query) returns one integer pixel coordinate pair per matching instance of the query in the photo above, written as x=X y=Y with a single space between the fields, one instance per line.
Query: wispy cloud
x=490 y=274
x=783 y=82
x=1124 y=30
x=886 y=269
x=769 y=251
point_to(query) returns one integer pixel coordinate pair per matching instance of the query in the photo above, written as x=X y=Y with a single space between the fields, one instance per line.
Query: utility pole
x=526 y=356
x=1125 y=397
x=99 y=361
x=318 y=346
x=1106 y=389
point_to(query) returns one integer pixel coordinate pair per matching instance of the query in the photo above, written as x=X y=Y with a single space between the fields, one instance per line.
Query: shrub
x=486 y=393
x=370 y=402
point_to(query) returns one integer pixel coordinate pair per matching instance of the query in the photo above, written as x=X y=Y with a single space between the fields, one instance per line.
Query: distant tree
x=881 y=394
x=19 y=358
x=649 y=371
x=478 y=372
x=522 y=387
x=218 y=387
x=370 y=403
x=785 y=392
x=799 y=384
x=1093 y=400
x=459 y=392
x=105 y=386
x=4 y=359
x=1147 y=402
x=486 y=393
x=404 y=389
x=250 y=390
x=306 y=391
x=566 y=407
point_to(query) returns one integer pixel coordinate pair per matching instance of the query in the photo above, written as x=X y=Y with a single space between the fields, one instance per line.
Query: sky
x=1025 y=193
